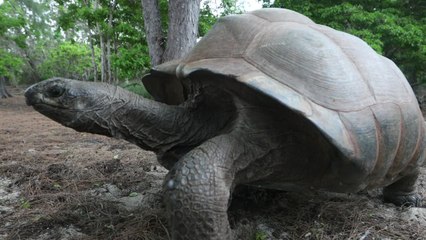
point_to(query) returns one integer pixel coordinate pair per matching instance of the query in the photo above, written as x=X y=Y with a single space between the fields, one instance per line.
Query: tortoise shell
x=358 y=99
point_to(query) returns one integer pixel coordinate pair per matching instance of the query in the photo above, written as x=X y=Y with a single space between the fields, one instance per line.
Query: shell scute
x=236 y=31
x=309 y=62
x=281 y=15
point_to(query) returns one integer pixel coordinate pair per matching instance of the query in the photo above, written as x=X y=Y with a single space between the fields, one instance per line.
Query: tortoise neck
x=168 y=130
x=149 y=124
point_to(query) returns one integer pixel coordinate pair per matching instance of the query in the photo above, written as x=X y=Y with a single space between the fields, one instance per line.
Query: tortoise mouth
x=59 y=114
x=32 y=99
x=44 y=108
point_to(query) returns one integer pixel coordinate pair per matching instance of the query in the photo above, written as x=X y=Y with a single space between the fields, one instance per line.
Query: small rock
x=416 y=215
x=132 y=202
x=266 y=231
x=365 y=235
x=284 y=236
x=113 y=189
x=4 y=210
x=107 y=192
x=8 y=193
x=71 y=232
x=66 y=233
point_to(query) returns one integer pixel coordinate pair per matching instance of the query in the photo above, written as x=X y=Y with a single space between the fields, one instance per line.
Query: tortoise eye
x=55 y=91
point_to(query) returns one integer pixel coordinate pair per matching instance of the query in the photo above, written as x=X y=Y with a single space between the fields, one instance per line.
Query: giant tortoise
x=269 y=99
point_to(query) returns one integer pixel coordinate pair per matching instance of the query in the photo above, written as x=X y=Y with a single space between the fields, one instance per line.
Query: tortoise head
x=72 y=103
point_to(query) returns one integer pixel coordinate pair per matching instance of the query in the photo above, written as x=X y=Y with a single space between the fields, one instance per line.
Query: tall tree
x=11 y=39
x=89 y=22
x=38 y=32
x=182 y=30
x=113 y=27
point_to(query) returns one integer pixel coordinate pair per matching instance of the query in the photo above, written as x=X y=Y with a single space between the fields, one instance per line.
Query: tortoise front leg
x=198 y=188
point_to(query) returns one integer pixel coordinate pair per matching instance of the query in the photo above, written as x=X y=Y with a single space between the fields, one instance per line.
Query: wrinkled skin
x=212 y=142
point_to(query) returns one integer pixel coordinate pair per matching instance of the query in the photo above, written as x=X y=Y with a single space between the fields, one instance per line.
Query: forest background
x=108 y=41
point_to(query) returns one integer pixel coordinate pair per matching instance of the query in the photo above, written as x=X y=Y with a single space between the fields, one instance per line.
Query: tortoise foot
x=403 y=199
x=403 y=191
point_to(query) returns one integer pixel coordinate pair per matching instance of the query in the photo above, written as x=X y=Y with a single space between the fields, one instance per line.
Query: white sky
x=245 y=5
x=1 y=1
x=250 y=5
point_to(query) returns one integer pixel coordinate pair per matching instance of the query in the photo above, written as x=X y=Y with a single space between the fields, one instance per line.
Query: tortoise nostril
x=29 y=90
x=29 y=94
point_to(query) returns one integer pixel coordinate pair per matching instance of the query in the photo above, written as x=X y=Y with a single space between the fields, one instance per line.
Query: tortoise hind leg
x=403 y=192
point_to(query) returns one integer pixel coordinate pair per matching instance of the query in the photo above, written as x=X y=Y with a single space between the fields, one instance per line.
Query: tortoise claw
x=404 y=199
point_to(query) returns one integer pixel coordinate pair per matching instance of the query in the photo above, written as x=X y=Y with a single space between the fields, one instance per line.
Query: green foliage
x=208 y=16
x=68 y=60
x=206 y=21
x=131 y=62
x=56 y=186
x=10 y=25
x=24 y=203
x=137 y=88
x=129 y=56
x=133 y=194
x=10 y=64
x=25 y=34
x=164 y=12
x=11 y=40
x=230 y=7
x=261 y=236
x=394 y=28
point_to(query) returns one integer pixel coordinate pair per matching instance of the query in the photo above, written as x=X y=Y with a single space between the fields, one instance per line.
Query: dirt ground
x=56 y=183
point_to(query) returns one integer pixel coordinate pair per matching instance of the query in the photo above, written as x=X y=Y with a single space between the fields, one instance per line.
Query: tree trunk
x=183 y=28
x=35 y=77
x=108 y=60
x=154 y=34
x=92 y=47
x=92 y=50
x=115 y=70
x=109 y=72
x=182 y=33
x=102 y=47
x=101 y=41
x=3 y=91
